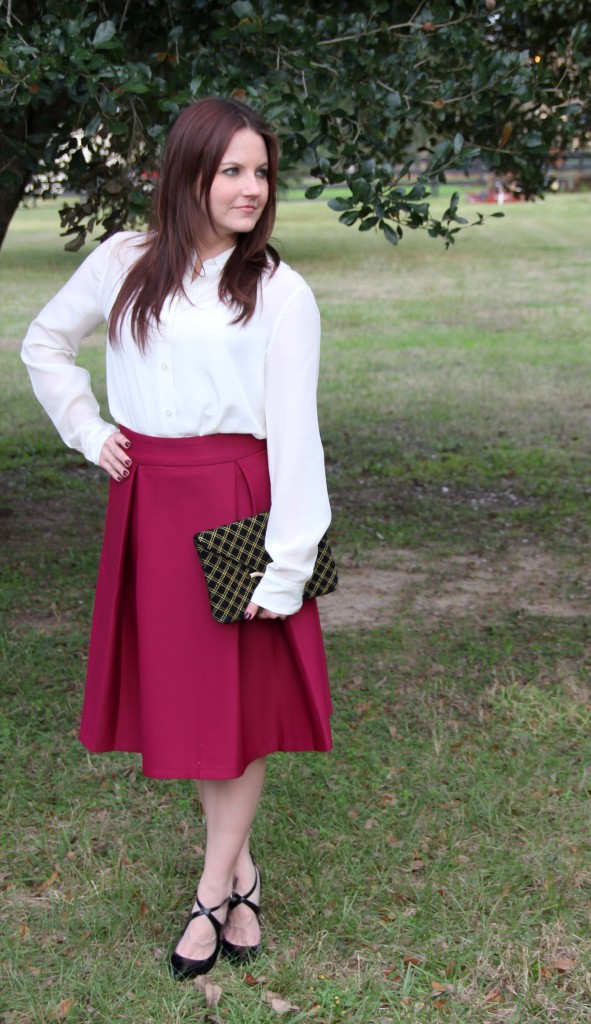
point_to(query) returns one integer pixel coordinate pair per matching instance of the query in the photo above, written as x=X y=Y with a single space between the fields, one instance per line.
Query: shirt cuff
x=92 y=437
x=278 y=595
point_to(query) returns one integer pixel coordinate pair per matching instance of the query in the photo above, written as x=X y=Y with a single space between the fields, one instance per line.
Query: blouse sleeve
x=49 y=352
x=300 y=510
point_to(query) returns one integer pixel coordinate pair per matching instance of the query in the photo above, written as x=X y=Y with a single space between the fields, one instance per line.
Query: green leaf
x=135 y=87
x=349 y=217
x=104 y=33
x=118 y=128
x=243 y=9
x=391 y=235
x=416 y=192
x=314 y=191
x=458 y=142
x=442 y=151
x=76 y=243
x=360 y=190
x=338 y=203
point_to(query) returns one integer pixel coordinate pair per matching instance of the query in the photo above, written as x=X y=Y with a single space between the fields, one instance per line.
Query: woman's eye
x=231 y=170
x=262 y=172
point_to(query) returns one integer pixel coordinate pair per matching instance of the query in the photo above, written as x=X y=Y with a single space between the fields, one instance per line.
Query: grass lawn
x=437 y=865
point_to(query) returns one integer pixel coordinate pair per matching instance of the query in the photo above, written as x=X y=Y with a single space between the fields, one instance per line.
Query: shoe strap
x=237 y=898
x=208 y=913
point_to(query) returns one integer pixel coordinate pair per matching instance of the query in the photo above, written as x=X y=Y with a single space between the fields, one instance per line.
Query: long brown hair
x=195 y=147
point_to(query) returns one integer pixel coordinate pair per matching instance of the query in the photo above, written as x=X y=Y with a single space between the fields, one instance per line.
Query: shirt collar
x=218 y=261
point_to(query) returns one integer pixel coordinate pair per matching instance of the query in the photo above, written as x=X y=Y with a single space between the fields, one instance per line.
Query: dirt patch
x=531 y=581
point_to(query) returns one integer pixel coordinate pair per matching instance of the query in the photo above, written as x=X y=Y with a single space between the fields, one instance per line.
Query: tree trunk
x=10 y=197
x=11 y=194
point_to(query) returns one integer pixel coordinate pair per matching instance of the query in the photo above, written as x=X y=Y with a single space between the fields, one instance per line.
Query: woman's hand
x=254 y=611
x=114 y=458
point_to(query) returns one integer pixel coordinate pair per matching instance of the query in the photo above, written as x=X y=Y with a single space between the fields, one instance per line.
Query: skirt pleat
x=196 y=698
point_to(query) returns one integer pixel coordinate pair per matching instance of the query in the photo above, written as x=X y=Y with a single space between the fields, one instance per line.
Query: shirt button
x=164 y=366
x=169 y=412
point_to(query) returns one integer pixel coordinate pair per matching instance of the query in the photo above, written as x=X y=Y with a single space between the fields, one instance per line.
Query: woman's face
x=240 y=189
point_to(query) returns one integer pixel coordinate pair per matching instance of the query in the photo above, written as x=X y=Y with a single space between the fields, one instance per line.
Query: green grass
x=435 y=867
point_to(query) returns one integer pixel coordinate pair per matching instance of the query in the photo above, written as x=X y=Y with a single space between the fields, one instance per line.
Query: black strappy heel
x=242 y=953
x=183 y=966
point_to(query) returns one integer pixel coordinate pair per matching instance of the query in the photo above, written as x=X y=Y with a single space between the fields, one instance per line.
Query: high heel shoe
x=242 y=953
x=183 y=966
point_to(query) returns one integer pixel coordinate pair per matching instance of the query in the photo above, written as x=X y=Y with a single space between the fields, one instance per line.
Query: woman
x=212 y=367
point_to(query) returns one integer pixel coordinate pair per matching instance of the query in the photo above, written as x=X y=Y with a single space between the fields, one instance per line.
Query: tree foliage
x=357 y=91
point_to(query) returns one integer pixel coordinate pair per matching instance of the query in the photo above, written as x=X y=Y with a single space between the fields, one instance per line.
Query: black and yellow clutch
x=234 y=559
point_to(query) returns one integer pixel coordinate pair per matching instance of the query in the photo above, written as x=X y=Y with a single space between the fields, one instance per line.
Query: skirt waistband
x=191 y=451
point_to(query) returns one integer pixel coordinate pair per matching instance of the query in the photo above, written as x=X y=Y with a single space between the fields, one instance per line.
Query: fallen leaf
x=439 y=1003
x=278 y=1004
x=562 y=964
x=412 y=958
x=143 y=910
x=417 y=865
x=48 y=882
x=251 y=980
x=370 y=823
x=24 y=931
x=494 y=996
x=71 y=855
x=438 y=986
x=406 y=1000
x=212 y=993
x=394 y=732
x=64 y=1008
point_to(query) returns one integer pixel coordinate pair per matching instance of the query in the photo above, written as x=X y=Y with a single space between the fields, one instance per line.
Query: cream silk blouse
x=200 y=375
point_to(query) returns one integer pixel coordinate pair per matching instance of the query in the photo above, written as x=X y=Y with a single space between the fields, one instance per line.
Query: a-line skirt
x=196 y=698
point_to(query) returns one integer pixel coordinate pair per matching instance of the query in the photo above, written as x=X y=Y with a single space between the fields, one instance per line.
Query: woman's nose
x=252 y=185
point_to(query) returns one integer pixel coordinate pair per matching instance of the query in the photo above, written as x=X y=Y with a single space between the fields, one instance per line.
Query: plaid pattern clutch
x=234 y=558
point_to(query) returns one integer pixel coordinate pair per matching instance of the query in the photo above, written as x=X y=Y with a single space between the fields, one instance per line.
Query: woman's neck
x=213 y=245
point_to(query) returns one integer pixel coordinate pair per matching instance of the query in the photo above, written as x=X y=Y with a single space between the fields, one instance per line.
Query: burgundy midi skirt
x=196 y=698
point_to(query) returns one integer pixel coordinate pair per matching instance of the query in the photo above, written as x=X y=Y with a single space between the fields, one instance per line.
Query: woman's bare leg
x=230 y=806
x=242 y=929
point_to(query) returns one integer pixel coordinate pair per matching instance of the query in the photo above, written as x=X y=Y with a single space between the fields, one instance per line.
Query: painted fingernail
x=247 y=616
x=125 y=472
x=128 y=462
x=128 y=444
x=119 y=479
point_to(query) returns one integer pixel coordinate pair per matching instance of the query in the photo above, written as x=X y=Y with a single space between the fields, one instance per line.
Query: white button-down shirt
x=200 y=375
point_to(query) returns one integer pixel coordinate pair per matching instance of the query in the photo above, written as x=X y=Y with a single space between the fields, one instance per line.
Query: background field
x=436 y=866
